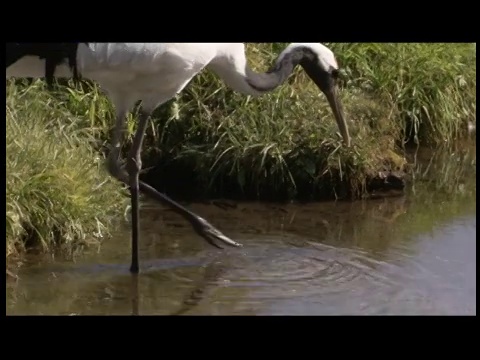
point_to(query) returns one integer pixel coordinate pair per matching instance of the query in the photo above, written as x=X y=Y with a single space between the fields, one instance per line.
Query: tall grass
x=431 y=87
x=58 y=195
x=281 y=146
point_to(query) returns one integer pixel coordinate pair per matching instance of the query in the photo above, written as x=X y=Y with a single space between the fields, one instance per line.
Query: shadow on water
x=409 y=254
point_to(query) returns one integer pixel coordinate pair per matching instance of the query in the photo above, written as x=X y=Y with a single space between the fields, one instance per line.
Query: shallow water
x=413 y=254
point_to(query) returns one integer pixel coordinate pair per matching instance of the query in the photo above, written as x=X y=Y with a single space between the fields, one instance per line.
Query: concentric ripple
x=278 y=270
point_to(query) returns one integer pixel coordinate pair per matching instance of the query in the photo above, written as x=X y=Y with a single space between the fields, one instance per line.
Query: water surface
x=413 y=254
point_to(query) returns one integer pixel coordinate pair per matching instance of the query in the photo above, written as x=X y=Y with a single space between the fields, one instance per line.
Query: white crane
x=155 y=73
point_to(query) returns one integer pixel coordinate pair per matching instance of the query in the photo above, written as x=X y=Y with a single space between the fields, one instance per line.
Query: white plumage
x=155 y=73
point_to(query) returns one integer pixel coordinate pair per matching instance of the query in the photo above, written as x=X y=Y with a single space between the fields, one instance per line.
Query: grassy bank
x=57 y=190
x=285 y=144
x=431 y=88
x=212 y=142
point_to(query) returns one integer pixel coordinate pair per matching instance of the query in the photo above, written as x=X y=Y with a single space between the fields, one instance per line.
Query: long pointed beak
x=332 y=97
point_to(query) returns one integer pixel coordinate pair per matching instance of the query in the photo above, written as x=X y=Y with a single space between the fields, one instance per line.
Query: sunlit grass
x=58 y=192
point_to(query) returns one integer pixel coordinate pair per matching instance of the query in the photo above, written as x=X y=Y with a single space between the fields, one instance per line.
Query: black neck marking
x=281 y=70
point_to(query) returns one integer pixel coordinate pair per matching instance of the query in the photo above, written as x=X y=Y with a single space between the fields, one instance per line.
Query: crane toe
x=210 y=233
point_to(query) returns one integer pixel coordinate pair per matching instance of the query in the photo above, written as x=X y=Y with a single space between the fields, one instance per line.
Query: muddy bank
x=184 y=184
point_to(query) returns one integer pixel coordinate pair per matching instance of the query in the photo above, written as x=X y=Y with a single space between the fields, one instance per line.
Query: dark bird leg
x=50 y=66
x=72 y=62
x=134 y=165
x=200 y=225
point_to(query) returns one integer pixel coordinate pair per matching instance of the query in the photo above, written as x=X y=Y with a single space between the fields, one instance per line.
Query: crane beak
x=326 y=82
x=332 y=96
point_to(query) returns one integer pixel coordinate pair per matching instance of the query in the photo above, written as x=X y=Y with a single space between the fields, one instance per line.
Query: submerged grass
x=213 y=142
x=57 y=190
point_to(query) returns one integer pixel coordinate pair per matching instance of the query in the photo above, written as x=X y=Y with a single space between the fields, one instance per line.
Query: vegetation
x=431 y=88
x=57 y=189
x=281 y=146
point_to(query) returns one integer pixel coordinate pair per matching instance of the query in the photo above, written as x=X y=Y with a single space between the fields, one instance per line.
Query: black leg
x=134 y=269
x=200 y=225
x=50 y=66
x=134 y=165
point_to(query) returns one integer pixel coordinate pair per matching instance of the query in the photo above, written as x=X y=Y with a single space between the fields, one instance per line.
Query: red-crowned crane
x=154 y=73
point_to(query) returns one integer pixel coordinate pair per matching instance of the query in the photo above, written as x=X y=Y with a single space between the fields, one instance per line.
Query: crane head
x=320 y=64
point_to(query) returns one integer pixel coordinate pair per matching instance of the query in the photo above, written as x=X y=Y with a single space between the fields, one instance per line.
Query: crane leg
x=200 y=225
x=134 y=165
x=131 y=178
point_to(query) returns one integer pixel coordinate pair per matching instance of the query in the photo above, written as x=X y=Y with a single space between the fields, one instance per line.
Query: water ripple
x=313 y=270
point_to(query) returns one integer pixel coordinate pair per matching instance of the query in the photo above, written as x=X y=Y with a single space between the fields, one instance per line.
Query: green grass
x=213 y=142
x=281 y=146
x=430 y=87
x=285 y=144
x=58 y=192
